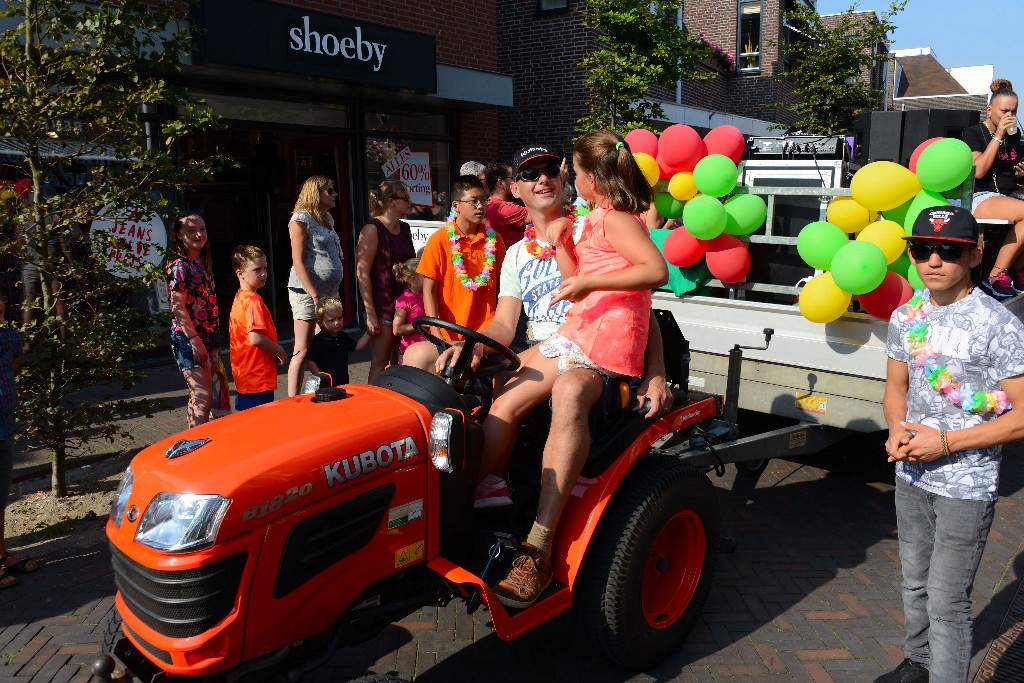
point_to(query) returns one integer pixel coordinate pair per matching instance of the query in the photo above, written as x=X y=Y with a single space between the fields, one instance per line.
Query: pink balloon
x=680 y=147
x=728 y=258
x=683 y=249
x=917 y=152
x=886 y=297
x=641 y=140
x=726 y=140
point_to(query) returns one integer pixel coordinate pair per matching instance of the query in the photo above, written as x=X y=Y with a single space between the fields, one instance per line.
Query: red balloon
x=886 y=297
x=641 y=140
x=917 y=153
x=22 y=186
x=683 y=249
x=726 y=140
x=680 y=147
x=727 y=258
x=665 y=171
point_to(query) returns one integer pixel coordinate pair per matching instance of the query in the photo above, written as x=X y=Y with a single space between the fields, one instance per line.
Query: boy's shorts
x=302 y=304
x=245 y=401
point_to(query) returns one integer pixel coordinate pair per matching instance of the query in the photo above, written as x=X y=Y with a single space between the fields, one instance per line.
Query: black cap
x=533 y=152
x=945 y=224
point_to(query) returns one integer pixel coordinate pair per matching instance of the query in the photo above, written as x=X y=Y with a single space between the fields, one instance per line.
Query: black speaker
x=925 y=124
x=878 y=136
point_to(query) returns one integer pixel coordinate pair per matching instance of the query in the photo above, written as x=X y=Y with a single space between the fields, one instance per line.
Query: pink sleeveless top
x=610 y=327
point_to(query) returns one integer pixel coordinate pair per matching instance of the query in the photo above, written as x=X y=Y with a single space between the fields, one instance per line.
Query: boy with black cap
x=955 y=368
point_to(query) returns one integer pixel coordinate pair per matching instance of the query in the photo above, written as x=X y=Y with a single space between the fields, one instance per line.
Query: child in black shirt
x=328 y=352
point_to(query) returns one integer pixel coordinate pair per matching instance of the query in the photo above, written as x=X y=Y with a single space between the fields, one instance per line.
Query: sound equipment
x=924 y=124
x=878 y=136
x=797 y=147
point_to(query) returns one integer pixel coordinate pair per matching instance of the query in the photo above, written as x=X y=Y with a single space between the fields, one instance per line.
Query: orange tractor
x=250 y=547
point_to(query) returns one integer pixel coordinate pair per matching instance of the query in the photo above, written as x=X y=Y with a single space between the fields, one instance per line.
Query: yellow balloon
x=850 y=216
x=6 y=194
x=821 y=300
x=887 y=236
x=682 y=187
x=648 y=166
x=883 y=185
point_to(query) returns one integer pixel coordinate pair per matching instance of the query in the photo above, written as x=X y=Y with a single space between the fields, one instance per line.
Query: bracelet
x=192 y=337
x=995 y=139
x=945 y=444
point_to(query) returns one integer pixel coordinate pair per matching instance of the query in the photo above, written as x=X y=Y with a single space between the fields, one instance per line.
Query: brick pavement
x=811 y=593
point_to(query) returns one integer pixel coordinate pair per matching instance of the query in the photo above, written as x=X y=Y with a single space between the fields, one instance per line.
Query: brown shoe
x=529 y=576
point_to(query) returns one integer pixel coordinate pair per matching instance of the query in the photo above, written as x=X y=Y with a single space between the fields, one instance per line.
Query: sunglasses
x=922 y=251
x=330 y=190
x=533 y=174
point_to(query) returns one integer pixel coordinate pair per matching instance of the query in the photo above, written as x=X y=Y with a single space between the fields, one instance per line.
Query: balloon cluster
x=10 y=190
x=874 y=265
x=690 y=177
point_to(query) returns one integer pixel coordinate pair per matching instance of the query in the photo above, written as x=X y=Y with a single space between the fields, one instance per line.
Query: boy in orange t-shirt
x=460 y=266
x=252 y=334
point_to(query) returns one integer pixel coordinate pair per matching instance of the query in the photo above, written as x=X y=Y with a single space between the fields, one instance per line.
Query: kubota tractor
x=250 y=547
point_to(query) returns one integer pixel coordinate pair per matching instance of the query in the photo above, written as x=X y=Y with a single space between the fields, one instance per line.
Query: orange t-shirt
x=254 y=370
x=462 y=305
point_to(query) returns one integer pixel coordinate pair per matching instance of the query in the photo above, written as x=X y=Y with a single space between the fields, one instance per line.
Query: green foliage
x=640 y=46
x=81 y=81
x=831 y=68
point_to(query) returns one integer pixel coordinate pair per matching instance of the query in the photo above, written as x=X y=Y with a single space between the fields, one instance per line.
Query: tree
x=641 y=46
x=80 y=82
x=831 y=66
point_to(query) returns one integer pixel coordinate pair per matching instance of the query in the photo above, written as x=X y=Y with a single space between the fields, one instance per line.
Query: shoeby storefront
x=307 y=93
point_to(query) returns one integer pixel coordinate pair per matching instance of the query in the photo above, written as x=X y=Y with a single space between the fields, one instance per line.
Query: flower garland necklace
x=533 y=248
x=490 y=249
x=938 y=376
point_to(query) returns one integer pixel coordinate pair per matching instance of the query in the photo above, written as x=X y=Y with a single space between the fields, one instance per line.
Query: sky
x=960 y=33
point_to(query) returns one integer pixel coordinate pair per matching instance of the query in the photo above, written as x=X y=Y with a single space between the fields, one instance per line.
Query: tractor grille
x=178 y=604
x=316 y=543
x=163 y=655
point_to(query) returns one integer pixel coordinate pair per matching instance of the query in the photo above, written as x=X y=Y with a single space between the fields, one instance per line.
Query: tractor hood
x=278 y=458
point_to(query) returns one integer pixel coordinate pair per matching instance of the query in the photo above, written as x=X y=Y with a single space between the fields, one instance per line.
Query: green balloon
x=900 y=265
x=858 y=267
x=818 y=243
x=899 y=214
x=704 y=217
x=914 y=278
x=944 y=164
x=667 y=205
x=925 y=199
x=715 y=175
x=744 y=214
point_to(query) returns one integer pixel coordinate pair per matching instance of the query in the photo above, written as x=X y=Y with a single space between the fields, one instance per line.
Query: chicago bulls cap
x=945 y=224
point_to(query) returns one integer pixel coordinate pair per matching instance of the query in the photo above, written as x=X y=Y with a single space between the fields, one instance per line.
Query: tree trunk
x=58 y=485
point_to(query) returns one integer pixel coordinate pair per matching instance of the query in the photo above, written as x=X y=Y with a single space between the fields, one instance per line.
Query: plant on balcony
x=719 y=54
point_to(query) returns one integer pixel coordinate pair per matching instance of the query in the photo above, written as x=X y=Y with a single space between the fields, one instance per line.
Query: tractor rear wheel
x=649 y=568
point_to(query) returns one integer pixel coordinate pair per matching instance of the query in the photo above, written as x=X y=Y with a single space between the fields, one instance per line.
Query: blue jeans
x=941 y=541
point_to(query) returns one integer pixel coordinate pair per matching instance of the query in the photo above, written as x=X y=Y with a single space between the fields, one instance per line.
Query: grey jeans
x=941 y=541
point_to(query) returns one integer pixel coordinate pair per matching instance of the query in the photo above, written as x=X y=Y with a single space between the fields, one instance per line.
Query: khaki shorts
x=302 y=304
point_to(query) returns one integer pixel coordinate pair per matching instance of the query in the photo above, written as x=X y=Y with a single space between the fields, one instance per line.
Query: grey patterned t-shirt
x=322 y=258
x=980 y=343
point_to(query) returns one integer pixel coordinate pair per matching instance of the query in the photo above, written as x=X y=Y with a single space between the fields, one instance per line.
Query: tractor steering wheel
x=453 y=372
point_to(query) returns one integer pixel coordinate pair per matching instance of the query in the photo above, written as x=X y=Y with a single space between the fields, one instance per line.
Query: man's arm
x=654 y=385
x=501 y=329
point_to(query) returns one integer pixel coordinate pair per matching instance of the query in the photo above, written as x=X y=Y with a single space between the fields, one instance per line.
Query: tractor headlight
x=124 y=491
x=440 y=441
x=179 y=522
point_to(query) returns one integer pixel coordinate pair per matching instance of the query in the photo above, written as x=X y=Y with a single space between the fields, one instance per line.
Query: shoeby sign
x=129 y=240
x=275 y=37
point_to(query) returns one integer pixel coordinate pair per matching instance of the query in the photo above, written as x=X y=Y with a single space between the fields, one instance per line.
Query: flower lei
x=547 y=251
x=490 y=248
x=924 y=356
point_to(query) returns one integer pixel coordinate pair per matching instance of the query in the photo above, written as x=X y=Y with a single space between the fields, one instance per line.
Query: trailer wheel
x=650 y=567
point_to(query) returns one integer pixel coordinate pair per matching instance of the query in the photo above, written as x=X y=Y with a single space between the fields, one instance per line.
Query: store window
x=414 y=148
x=552 y=6
x=749 y=36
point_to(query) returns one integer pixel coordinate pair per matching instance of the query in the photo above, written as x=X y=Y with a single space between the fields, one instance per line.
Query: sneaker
x=907 y=672
x=1000 y=286
x=491 y=493
x=529 y=576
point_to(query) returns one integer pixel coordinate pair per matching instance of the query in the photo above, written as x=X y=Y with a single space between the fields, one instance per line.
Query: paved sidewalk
x=811 y=593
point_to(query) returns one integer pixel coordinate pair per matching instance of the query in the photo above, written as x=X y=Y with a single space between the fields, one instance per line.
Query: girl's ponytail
x=618 y=177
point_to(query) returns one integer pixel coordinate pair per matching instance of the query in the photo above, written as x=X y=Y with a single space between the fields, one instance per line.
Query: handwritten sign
x=415 y=173
x=395 y=162
x=128 y=240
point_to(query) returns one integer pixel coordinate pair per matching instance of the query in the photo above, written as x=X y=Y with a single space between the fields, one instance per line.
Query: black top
x=1000 y=178
x=330 y=354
